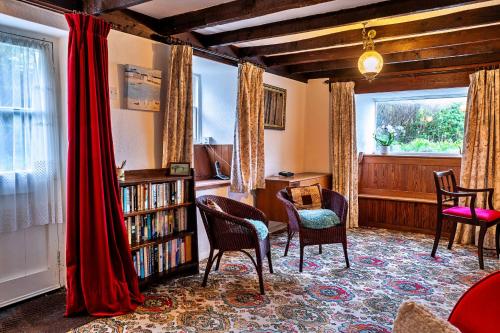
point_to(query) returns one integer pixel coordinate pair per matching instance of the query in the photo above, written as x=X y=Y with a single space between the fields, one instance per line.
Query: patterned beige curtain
x=178 y=119
x=247 y=170
x=481 y=155
x=343 y=150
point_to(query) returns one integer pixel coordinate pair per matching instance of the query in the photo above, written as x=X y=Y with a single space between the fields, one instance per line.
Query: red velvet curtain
x=101 y=278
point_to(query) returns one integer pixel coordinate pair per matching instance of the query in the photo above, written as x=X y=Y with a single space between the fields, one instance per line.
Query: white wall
x=284 y=150
x=316 y=127
x=137 y=135
x=218 y=95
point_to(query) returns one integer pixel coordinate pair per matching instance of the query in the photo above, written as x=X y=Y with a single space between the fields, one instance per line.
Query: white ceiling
x=163 y=8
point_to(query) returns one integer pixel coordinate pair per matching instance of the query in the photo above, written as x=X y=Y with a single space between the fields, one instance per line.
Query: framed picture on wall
x=179 y=168
x=142 y=88
x=274 y=107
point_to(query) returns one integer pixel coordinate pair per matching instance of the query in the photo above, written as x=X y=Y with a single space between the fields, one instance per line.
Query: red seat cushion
x=482 y=214
x=478 y=310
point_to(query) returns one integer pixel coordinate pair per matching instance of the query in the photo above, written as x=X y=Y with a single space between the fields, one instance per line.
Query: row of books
x=161 y=257
x=149 y=196
x=146 y=227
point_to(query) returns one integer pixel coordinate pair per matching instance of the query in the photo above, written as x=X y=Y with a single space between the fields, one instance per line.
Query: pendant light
x=370 y=62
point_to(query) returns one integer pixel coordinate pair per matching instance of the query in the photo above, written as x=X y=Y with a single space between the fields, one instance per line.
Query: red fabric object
x=478 y=310
x=482 y=214
x=101 y=279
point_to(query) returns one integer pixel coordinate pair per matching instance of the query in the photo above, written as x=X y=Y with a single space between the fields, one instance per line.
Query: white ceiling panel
x=163 y=8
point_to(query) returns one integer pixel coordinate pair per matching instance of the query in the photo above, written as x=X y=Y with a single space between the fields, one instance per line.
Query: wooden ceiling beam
x=329 y=20
x=450 y=79
x=227 y=13
x=96 y=7
x=58 y=6
x=392 y=46
x=468 y=18
x=416 y=67
x=407 y=56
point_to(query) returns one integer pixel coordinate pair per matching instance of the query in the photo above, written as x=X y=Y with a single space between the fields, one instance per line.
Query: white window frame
x=197 y=128
x=416 y=98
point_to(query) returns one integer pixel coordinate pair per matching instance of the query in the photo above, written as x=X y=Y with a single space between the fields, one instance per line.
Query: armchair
x=448 y=191
x=332 y=201
x=238 y=227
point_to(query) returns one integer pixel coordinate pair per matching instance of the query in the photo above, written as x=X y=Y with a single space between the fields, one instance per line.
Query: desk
x=266 y=198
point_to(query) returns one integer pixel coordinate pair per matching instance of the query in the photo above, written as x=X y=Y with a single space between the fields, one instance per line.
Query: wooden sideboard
x=266 y=198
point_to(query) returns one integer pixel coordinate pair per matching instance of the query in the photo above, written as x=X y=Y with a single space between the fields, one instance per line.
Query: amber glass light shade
x=370 y=63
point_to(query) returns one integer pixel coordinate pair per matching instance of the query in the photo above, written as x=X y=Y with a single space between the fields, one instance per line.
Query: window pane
x=424 y=125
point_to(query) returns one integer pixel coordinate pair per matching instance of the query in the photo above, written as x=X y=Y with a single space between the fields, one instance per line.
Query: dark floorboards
x=41 y=314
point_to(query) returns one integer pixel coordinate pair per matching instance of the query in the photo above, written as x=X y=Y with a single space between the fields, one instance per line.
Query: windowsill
x=424 y=155
x=207 y=184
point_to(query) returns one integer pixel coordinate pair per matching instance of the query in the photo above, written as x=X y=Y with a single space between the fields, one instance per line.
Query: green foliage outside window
x=428 y=127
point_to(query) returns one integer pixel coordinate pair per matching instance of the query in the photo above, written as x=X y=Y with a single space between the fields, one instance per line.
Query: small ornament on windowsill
x=120 y=171
x=385 y=136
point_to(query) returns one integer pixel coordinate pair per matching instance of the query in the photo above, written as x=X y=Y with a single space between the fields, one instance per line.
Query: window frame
x=197 y=117
x=415 y=98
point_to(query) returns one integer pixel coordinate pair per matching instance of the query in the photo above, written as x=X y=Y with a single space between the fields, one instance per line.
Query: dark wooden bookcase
x=148 y=178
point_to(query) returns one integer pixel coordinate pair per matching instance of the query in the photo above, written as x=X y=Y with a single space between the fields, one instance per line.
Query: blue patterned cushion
x=262 y=231
x=318 y=218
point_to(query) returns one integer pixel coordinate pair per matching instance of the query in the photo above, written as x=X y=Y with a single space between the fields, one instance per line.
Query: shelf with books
x=154 y=210
x=160 y=218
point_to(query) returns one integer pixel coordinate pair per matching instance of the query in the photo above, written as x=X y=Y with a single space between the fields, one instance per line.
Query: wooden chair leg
x=270 y=262
x=344 y=245
x=290 y=236
x=209 y=266
x=301 y=257
x=218 y=260
x=497 y=240
x=320 y=249
x=480 y=242
x=259 y=272
x=439 y=226
x=452 y=235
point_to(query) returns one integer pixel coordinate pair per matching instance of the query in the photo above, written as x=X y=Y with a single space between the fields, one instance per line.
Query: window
x=423 y=125
x=196 y=109
x=30 y=191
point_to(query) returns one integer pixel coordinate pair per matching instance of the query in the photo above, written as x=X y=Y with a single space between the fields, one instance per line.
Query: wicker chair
x=229 y=231
x=336 y=234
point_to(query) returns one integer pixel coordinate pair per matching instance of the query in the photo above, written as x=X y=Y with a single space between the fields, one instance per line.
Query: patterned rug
x=386 y=269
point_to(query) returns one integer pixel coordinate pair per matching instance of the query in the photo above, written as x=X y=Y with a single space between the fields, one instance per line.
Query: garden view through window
x=424 y=125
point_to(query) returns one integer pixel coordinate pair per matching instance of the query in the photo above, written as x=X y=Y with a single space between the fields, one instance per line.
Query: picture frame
x=274 y=107
x=179 y=168
x=142 y=88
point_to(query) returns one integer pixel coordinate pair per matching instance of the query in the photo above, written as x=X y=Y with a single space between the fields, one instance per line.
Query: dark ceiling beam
x=227 y=13
x=407 y=56
x=419 y=67
x=96 y=7
x=59 y=6
x=462 y=19
x=392 y=46
x=451 y=79
x=329 y=20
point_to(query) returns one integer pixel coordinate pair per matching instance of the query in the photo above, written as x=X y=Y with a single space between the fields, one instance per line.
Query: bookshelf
x=160 y=218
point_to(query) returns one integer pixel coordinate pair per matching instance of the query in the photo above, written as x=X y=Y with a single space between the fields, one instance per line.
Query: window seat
x=207 y=184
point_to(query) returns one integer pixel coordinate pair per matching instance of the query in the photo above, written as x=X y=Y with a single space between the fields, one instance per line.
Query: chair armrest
x=239 y=221
x=291 y=211
x=242 y=211
x=335 y=202
x=471 y=195
x=489 y=190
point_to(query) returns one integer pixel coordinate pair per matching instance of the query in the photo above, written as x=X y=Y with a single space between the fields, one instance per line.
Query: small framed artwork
x=274 y=107
x=179 y=168
x=142 y=88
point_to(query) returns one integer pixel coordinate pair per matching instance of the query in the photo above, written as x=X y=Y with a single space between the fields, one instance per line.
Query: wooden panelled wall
x=398 y=192
x=205 y=157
